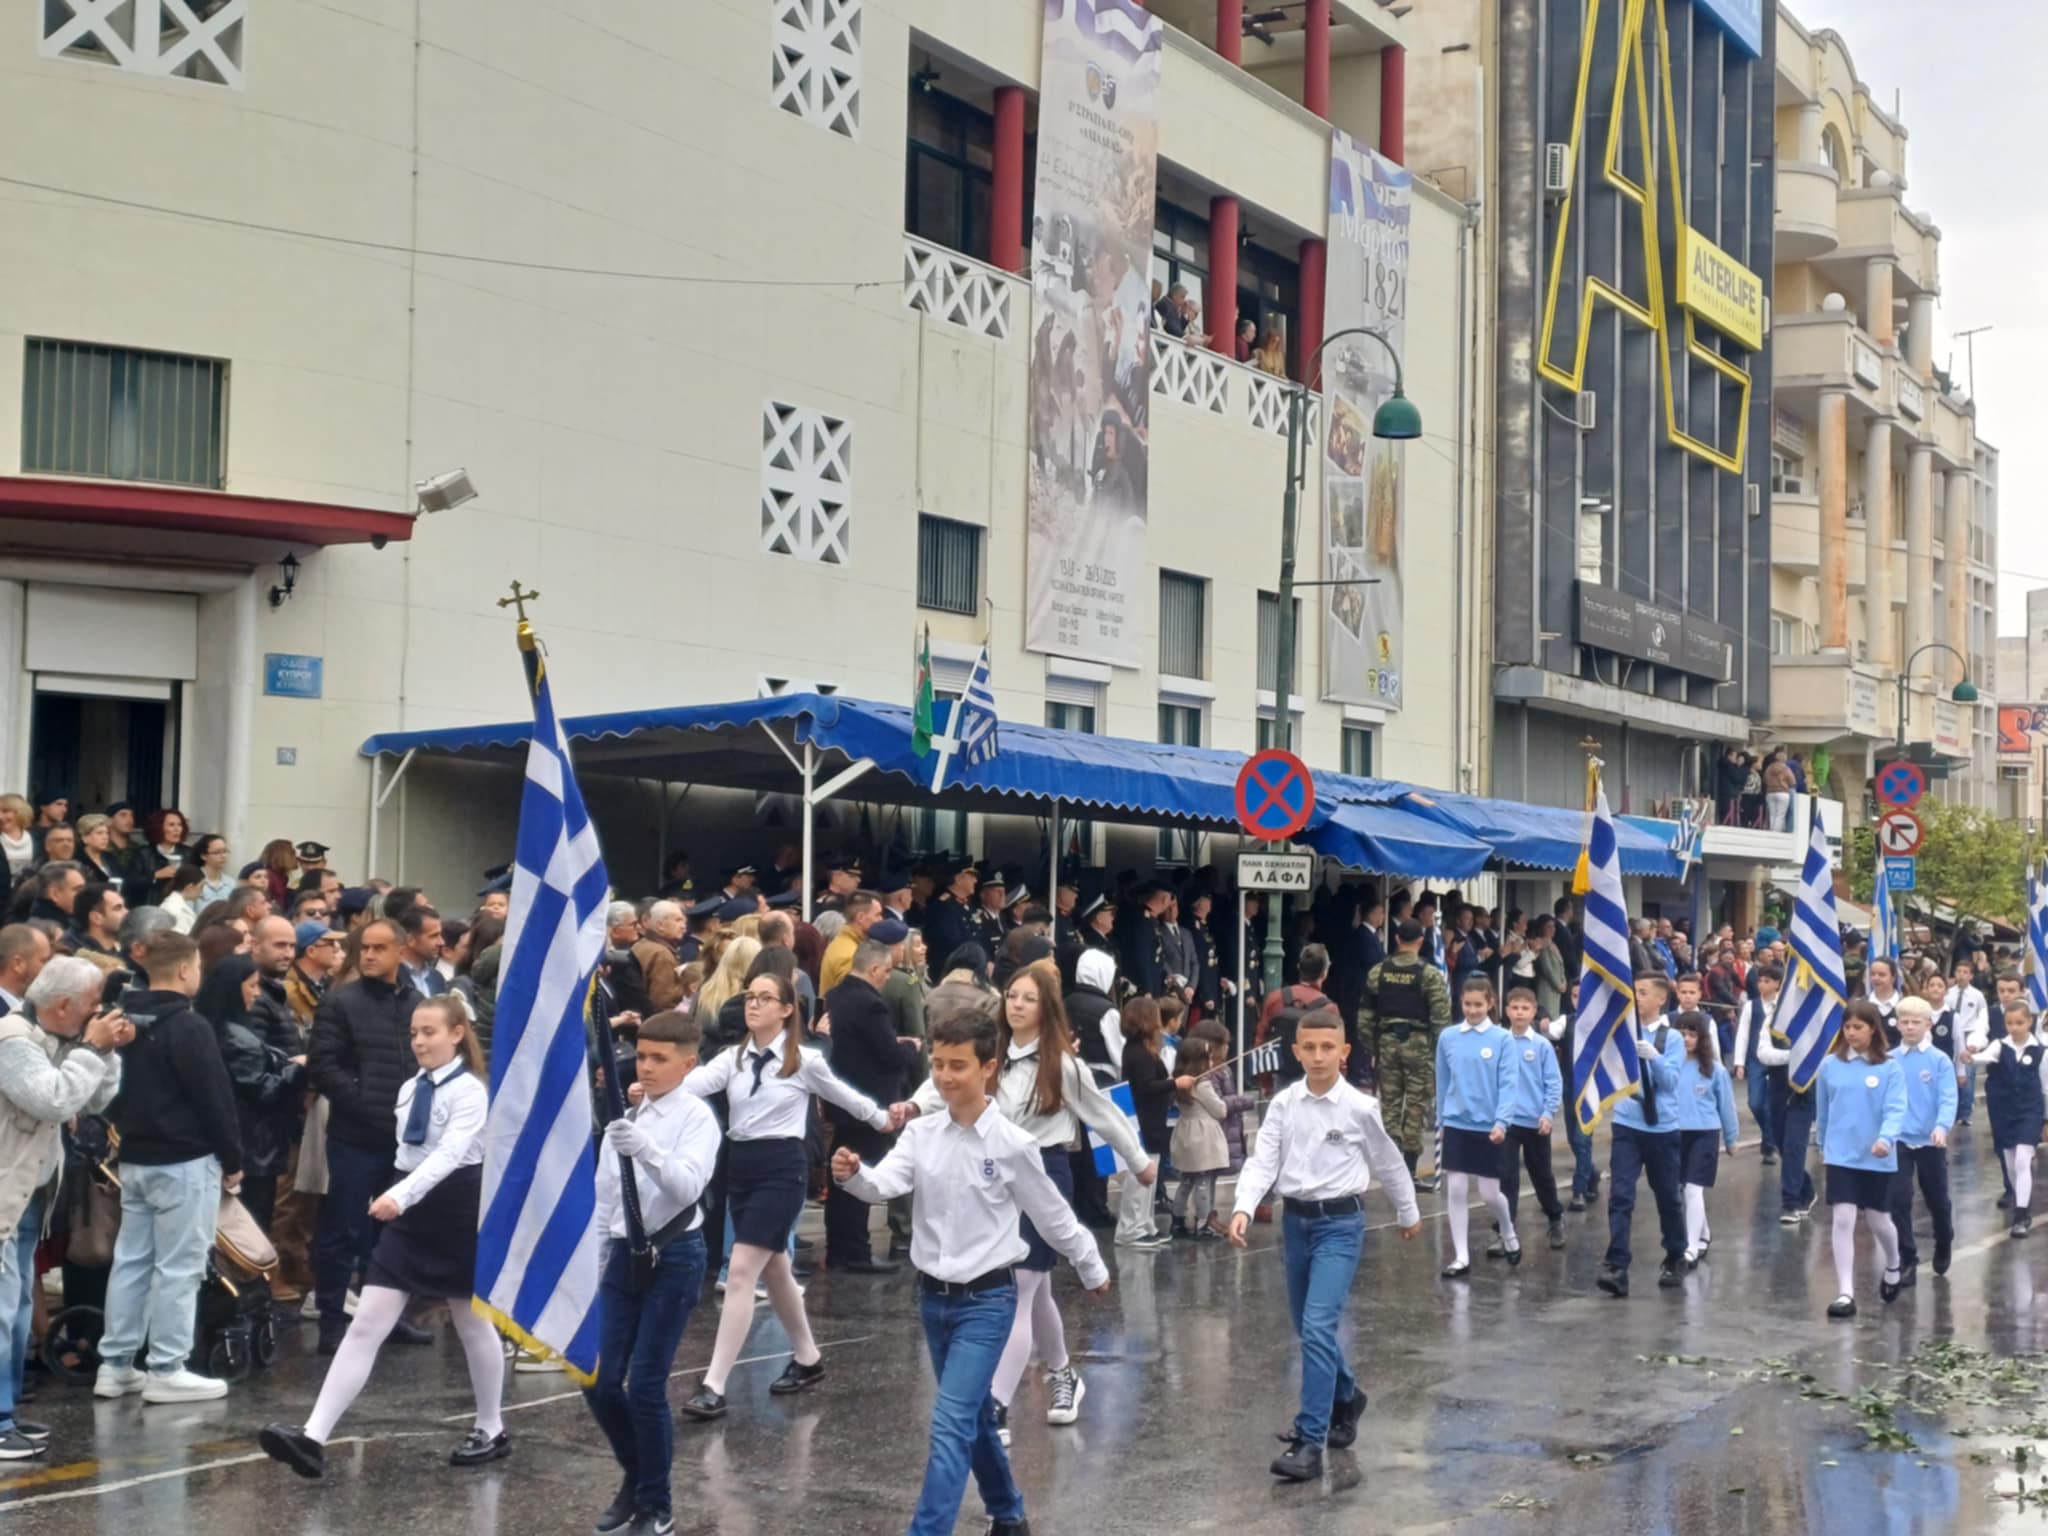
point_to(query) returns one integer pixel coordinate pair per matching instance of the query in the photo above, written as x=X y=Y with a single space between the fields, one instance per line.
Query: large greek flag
x=1810 y=1008
x=971 y=732
x=2037 y=941
x=538 y=1247
x=1604 y=1065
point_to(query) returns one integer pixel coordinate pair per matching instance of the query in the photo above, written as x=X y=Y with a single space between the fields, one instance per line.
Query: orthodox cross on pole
x=520 y=598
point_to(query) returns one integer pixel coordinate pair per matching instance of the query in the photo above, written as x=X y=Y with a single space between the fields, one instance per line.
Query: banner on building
x=1091 y=343
x=1363 y=495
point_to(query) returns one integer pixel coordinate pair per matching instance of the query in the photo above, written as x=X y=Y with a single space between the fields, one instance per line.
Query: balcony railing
x=957 y=289
x=1208 y=381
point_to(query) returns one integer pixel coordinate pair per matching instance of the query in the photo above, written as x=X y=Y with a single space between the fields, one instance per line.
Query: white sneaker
x=721 y=1285
x=182 y=1387
x=309 y=1310
x=1064 y=1389
x=118 y=1381
x=348 y=1303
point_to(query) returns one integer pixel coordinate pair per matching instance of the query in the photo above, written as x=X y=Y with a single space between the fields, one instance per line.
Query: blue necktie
x=759 y=1061
x=422 y=1111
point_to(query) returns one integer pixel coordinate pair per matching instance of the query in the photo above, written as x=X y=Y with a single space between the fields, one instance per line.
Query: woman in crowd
x=267 y=1062
x=280 y=862
x=95 y=852
x=167 y=834
x=210 y=852
x=180 y=897
x=15 y=839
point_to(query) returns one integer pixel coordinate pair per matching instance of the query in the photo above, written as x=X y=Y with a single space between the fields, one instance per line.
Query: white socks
x=1458 y=1190
x=1887 y=1235
x=1496 y=1202
x=377 y=1312
x=1695 y=1218
x=485 y=1352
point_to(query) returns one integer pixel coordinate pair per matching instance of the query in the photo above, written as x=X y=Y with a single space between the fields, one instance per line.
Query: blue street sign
x=287 y=676
x=1899 y=873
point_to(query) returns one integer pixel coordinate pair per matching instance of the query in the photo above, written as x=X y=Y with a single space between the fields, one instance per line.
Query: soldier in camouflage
x=1406 y=1003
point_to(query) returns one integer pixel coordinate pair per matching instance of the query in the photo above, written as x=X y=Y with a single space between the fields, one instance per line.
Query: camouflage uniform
x=1406 y=1003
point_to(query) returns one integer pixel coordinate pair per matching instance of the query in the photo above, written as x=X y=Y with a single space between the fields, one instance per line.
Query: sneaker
x=2019 y=1226
x=619 y=1513
x=1578 y=1203
x=1301 y=1462
x=1428 y=1184
x=652 y=1522
x=295 y=1448
x=15 y=1446
x=32 y=1431
x=309 y=1309
x=1613 y=1281
x=118 y=1381
x=1344 y=1419
x=478 y=1447
x=721 y=1285
x=1067 y=1389
x=182 y=1387
x=1003 y=1423
x=1788 y=1218
x=524 y=1364
x=1557 y=1232
x=1008 y=1528
x=1769 y=1157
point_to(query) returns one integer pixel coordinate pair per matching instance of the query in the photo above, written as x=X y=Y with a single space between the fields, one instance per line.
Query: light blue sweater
x=1858 y=1103
x=1535 y=1086
x=1705 y=1103
x=1471 y=1076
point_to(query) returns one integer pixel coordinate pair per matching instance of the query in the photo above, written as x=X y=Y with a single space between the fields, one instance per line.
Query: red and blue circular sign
x=1901 y=783
x=1276 y=795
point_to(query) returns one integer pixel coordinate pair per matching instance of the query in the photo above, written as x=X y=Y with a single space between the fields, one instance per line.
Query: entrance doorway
x=102 y=747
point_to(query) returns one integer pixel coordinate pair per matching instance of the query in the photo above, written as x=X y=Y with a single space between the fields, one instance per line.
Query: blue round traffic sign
x=1276 y=795
x=1901 y=783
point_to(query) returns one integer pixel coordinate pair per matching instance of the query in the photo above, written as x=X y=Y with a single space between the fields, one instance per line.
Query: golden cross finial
x=519 y=599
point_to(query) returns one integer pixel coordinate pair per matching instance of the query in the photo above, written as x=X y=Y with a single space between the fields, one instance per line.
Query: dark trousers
x=846 y=1214
x=638 y=1332
x=1525 y=1147
x=1930 y=1166
x=355 y=1177
x=258 y=1195
x=1091 y=1191
x=1792 y=1114
x=1655 y=1155
x=1585 y=1174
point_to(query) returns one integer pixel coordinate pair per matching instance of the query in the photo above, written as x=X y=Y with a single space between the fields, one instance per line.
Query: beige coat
x=1199 y=1145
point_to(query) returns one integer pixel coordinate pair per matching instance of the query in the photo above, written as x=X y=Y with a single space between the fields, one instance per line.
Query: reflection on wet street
x=1518 y=1401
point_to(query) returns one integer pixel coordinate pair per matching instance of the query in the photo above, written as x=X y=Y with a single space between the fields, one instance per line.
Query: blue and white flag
x=2037 y=940
x=538 y=1246
x=1884 y=938
x=1106 y=1160
x=1810 y=1007
x=971 y=732
x=1604 y=1064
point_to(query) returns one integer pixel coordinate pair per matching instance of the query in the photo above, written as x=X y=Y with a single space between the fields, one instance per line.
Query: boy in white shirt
x=1319 y=1146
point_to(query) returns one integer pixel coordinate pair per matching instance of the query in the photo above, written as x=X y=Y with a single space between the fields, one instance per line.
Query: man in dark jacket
x=867 y=1054
x=266 y=1057
x=180 y=1147
x=359 y=1056
x=946 y=926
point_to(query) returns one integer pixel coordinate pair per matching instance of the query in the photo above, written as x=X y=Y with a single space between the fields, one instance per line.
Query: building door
x=117 y=741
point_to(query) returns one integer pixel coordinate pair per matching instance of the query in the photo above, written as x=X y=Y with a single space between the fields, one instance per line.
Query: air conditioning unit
x=1588 y=412
x=1592 y=545
x=1753 y=499
x=1557 y=169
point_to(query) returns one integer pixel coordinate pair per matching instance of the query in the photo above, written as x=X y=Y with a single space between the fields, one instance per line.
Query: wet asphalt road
x=1516 y=1402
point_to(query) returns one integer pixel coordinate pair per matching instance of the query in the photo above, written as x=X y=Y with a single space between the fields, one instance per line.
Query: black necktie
x=759 y=1061
x=422 y=1111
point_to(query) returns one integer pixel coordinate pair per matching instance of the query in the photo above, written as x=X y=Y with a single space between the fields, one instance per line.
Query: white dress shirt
x=455 y=1132
x=1312 y=1148
x=1973 y=1017
x=775 y=1106
x=671 y=1173
x=968 y=1185
x=1081 y=1100
x=1755 y=1015
x=1990 y=1052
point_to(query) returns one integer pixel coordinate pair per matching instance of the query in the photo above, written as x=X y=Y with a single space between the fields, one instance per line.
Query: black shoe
x=1769 y=1157
x=1301 y=1462
x=2005 y=1201
x=652 y=1522
x=478 y=1447
x=1514 y=1256
x=803 y=1272
x=1578 y=1203
x=797 y=1378
x=39 y=1433
x=1888 y=1290
x=1909 y=1275
x=1182 y=1230
x=1942 y=1253
x=411 y=1333
x=1344 y=1419
x=1611 y=1280
x=704 y=1404
x=1009 y=1528
x=1842 y=1307
x=1557 y=1231
x=619 y=1513
x=332 y=1332
x=1670 y=1273
x=868 y=1267
x=1455 y=1271
x=2020 y=1226
x=1207 y=1235
x=804 y=1245
x=295 y=1448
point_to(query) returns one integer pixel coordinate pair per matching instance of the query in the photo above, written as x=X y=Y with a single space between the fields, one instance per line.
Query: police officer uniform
x=946 y=925
x=985 y=924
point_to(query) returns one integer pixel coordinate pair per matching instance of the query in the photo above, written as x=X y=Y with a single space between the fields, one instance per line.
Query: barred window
x=1182 y=604
x=119 y=414
x=948 y=565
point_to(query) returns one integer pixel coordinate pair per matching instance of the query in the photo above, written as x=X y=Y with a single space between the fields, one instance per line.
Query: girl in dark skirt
x=2014 y=1098
x=1706 y=1128
x=1860 y=1100
x=427 y=1247
x=1474 y=1087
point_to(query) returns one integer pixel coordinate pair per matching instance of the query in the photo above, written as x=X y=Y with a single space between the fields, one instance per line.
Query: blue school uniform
x=1534 y=1084
x=1705 y=1104
x=1930 y=1092
x=1858 y=1103
x=1471 y=1083
x=2013 y=1095
x=1930 y=1106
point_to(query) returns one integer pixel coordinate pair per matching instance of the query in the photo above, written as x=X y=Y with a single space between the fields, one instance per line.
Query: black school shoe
x=1301 y=1462
x=1669 y=1273
x=619 y=1513
x=478 y=1448
x=1943 y=1252
x=704 y=1404
x=1344 y=1419
x=1613 y=1281
x=1909 y=1275
x=1009 y=1528
x=797 y=1378
x=295 y=1448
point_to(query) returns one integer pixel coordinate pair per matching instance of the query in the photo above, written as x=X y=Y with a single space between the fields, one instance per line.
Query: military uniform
x=1406 y=1002
x=946 y=928
x=986 y=929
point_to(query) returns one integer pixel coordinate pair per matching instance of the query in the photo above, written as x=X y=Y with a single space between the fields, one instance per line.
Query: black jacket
x=946 y=928
x=1085 y=1007
x=865 y=1052
x=1151 y=1093
x=269 y=1085
x=176 y=1102
x=359 y=1056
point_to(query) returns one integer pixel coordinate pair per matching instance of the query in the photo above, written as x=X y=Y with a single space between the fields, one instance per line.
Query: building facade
x=721 y=308
x=2022 y=689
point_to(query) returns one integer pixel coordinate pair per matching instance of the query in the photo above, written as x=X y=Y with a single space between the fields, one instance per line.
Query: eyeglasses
x=765 y=999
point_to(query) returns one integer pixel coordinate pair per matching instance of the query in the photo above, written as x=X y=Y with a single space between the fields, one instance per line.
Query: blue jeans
x=1966 y=1095
x=1653 y=1154
x=341 y=1247
x=1585 y=1176
x=17 y=1306
x=1758 y=1082
x=966 y=1335
x=1794 y=1115
x=637 y=1338
x=1322 y=1256
x=168 y=1212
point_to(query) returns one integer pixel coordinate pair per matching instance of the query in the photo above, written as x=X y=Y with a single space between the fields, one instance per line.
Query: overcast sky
x=1970 y=94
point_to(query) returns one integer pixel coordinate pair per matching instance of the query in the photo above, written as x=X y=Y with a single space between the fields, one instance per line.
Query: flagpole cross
x=520 y=598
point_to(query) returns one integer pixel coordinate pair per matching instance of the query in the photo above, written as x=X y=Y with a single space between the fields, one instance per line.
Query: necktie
x=758 y=1060
x=422 y=1111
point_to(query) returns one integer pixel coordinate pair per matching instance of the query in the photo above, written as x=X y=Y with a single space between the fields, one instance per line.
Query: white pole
x=376 y=804
x=1244 y=939
x=810 y=781
x=1052 y=878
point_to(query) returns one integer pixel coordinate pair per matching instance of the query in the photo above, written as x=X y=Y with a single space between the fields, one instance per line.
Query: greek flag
x=1810 y=1008
x=1261 y=1060
x=2037 y=939
x=1106 y=1160
x=1604 y=1065
x=538 y=1247
x=971 y=732
x=1884 y=938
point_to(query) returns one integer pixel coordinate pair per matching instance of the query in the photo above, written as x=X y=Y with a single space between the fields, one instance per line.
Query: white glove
x=627 y=1139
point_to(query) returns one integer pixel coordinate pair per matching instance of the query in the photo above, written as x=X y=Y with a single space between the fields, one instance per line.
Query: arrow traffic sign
x=1901 y=783
x=1898 y=833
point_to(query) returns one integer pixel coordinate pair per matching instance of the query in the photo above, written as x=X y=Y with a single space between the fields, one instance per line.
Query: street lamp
x=1964 y=692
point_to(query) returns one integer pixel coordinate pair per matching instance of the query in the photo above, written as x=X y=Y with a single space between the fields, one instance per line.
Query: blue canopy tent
x=1540 y=836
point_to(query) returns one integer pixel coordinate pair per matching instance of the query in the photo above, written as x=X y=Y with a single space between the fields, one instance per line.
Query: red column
x=1230 y=30
x=1394 y=104
x=1006 y=201
x=1315 y=62
x=1219 y=307
x=1314 y=255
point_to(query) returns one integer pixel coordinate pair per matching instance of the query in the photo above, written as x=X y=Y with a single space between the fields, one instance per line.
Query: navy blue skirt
x=1699 y=1155
x=1869 y=1188
x=765 y=1182
x=1472 y=1152
x=1042 y=1257
x=430 y=1250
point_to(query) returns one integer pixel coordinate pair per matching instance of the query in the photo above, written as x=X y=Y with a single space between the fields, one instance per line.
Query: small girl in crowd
x=1860 y=1099
x=1200 y=1150
x=1470 y=1073
x=2014 y=1070
x=1706 y=1128
x=1152 y=1089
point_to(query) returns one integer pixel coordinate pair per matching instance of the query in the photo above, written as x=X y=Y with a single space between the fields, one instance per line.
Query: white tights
x=1459 y=1185
x=1696 y=1233
x=736 y=1316
x=2019 y=1166
x=1038 y=1321
x=1881 y=1231
x=377 y=1313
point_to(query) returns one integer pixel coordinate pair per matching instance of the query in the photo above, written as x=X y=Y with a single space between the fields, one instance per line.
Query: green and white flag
x=921 y=698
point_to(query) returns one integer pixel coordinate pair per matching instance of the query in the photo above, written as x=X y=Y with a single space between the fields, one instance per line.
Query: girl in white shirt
x=427 y=1247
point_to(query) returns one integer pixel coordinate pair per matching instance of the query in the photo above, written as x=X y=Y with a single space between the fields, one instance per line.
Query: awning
x=1540 y=836
x=132 y=504
x=1386 y=840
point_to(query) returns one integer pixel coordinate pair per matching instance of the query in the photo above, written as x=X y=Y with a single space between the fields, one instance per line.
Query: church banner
x=1091 y=345
x=1363 y=500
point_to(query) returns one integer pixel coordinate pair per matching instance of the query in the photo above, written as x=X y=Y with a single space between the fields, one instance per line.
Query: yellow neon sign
x=1650 y=313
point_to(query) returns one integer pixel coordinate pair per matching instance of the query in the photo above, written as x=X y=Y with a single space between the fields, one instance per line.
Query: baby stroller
x=236 y=1328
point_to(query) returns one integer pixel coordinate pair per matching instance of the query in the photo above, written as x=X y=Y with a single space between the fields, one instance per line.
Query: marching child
x=1753 y=1029
x=1644 y=1128
x=427 y=1247
x=1792 y=1115
x=1923 y=1141
x=1320 y=1146
x=1473 y=1083
x=2014 y=1069
x=1859 y=1097
x=970 y=1172
x=1201 y=1151
x=1529 y=1108
x=644 y=1305
x=1706 y=1127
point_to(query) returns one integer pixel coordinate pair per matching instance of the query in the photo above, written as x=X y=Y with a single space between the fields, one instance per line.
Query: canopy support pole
x=810 y=772
x=814 y=793
x=1052 y=877
x=379 y=793
x=1244 y=940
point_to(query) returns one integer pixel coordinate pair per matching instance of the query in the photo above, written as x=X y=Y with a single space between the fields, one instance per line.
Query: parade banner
x=1366 y=284
x=1091 y=347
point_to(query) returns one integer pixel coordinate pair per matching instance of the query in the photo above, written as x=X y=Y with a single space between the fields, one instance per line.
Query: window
x=1358 y=751
x=948 y=565
x=1064 y=716
x=1793 y=637
x=1832 y=151
x=1183 y=601
x=1264 y=732
x=183 y=39
x=122 y=415
x=806 y=484
x=1070 y=717
x=1269 y=643
x=814 y=63
x=948 y=172
x=1180 y=248
x=1788 y=475
x=1180 y=725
